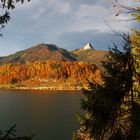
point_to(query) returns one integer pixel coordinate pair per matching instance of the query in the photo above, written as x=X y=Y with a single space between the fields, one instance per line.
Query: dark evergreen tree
x=115 y=112
x=135 y=40
x=110 y=111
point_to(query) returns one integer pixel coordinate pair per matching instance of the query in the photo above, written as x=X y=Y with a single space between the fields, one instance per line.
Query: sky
x=69 y=24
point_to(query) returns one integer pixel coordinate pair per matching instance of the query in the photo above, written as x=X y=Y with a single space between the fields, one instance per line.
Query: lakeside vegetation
x=48 y=75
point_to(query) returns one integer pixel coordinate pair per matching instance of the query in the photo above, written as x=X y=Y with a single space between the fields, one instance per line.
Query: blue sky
x=69 y=24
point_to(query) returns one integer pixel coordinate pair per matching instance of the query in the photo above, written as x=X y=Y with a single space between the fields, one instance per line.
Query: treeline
x=44 y=70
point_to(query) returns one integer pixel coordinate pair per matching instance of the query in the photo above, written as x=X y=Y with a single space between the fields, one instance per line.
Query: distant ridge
x=90 y=54
x=42 y=52
x=38 y=53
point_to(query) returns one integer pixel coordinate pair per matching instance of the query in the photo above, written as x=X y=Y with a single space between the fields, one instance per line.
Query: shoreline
x=40 y=88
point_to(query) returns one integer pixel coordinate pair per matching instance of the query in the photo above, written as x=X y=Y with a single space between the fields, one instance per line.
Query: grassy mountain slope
x=90 y=55
x=38 y=53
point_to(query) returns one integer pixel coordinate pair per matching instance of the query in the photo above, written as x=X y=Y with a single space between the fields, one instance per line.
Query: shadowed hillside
x=38 y=53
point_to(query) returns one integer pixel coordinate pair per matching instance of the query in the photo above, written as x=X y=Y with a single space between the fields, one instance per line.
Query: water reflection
x=48 y=114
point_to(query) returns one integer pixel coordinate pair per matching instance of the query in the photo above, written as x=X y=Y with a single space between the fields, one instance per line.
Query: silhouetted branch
x=10 y=135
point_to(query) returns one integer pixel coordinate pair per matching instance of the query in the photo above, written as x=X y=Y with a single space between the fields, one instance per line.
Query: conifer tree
x=135 y=39
x=110 y=109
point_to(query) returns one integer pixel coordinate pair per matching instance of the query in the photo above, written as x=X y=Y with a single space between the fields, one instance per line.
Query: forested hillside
x=48 y=74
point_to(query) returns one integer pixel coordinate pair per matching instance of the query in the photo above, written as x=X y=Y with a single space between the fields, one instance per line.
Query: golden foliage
x=39 y=72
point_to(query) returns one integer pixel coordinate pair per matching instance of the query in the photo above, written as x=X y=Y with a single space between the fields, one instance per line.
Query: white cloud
x=86 y=16
x=27 y=5
x=38 y=6
x=64 y=8
x=129 y=3
x=91 y=17
x=91 y=11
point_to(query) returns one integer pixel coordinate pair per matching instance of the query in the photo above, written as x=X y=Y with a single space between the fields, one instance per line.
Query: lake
x=50 y=115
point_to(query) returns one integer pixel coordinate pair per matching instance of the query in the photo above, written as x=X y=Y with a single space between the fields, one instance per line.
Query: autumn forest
x=47 y=73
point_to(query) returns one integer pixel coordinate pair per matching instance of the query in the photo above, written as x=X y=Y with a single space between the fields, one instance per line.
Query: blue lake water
x=50 y=115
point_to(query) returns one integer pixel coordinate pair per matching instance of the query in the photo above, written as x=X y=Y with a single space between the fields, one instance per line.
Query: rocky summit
x=89 y=54
x=88 y=46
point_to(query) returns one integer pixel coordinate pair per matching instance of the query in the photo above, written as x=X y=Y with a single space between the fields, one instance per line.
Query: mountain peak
x=39 y=52
x=88 y=46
